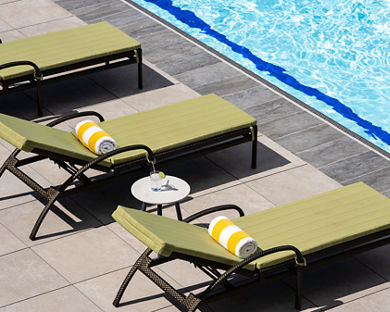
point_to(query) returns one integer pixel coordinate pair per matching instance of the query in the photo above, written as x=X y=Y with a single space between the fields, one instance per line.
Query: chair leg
x=52 y=196
x=10 y=161
x=129 y=276
x=140 y=78
x=298 y=295
x=254 y=148
x=4 y=166
x=178 y=211
x=39 y=99
x=143 y=263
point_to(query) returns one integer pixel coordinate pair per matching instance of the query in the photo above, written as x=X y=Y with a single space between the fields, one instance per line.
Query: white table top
x=176 y=190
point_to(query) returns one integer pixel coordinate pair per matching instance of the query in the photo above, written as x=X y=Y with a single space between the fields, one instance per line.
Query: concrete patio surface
x=84 y=255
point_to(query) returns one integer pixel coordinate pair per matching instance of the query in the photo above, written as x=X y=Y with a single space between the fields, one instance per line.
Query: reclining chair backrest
x=27 y=136
x=311 y=224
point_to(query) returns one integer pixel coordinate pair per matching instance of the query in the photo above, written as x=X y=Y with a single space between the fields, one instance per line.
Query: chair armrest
x=299 y=260
x=103 y=157
x=37 y=72
x=213 y=209
x=74 y=115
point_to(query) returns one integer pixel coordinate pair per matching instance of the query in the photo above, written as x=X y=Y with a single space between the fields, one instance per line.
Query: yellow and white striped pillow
x=94 y=138
x=232 y=237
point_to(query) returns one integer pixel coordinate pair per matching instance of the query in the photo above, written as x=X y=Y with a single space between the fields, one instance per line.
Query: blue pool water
x=334 y=55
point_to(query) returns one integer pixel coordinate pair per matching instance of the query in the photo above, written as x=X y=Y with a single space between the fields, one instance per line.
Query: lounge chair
x=31 y=62
x=166 y=134
x=292 y=237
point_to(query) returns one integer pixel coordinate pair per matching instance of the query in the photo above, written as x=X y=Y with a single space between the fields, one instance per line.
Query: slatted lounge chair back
x=162 y=129
x=350 y=216
x=35 y=59
x=29 y=136
x=165 y=134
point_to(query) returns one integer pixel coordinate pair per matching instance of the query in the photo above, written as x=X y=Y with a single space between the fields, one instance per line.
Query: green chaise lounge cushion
x=65 y=47
x=310 y=224
x=161 y=129
x=176 y=125
x=27 y=136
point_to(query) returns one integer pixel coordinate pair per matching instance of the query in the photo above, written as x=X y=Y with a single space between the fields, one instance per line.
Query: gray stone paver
x=340 y=282
x=356 y=166
x=378 y=302
x=87 y=254
x=377 y=179
x=292 y=123
x=4 y=26
x=9 y=243
x=84 y=256
x=23 y=274
x=26 y=13
x=300 y=141
x=144 y=297
x=21 y=218
x=62 y=300
x=329 y=152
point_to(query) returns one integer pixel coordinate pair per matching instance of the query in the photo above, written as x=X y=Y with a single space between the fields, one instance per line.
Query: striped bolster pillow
x=94 y=138
x=232 y=237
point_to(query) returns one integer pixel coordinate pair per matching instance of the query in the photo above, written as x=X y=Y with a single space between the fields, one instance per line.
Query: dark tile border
x=263 y=81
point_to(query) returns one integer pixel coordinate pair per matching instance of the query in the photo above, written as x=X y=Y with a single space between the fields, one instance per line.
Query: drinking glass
x=155 y=181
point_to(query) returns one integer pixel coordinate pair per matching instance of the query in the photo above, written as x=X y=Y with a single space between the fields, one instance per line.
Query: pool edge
x=264 y=82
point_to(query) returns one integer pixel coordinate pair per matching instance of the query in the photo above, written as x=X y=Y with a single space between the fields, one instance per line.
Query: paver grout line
x=235 y=93
x=44 y=293
x=367 y=295
x=362 y=175
x=343 y=159
x=303 y=296
x=73 y=283
x=11 y=1
x=15 y=251
x=299 y=131
x=100 y=275
x=222 y=168
x=53 y=290
x=275 y=204
x=16 y=205
x=85 y=296
x=371 y=269
x=332 y=162
x=322 y=167
x=160 y=309
x=254 y=179
x=283 y=117
x=351 y=156
x=274 y=173
x=94 y=20
x=124 y=240
x=52 y=20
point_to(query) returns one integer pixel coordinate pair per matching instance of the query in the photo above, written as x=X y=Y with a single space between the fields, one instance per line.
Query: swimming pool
x=333 y=55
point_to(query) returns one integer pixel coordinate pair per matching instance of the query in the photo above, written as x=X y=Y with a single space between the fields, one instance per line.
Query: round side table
x=173 y=190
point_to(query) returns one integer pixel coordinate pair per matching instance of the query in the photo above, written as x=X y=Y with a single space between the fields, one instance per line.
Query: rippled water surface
x=333 y=55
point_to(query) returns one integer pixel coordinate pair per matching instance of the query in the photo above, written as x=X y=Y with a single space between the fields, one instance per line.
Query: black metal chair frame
x=213 y=269
x=77 y=167
x=41 y=77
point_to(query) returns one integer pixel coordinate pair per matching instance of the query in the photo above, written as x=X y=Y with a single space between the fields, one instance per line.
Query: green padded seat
x=64 y=47
x=310 y=224
x=27 y=136
x=176 y=125
x=161 y=129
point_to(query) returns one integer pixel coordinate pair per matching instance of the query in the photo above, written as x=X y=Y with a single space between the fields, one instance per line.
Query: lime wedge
x=162 y=175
